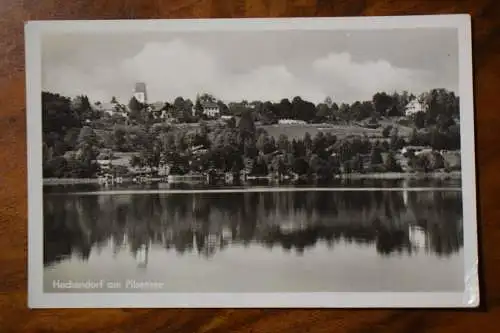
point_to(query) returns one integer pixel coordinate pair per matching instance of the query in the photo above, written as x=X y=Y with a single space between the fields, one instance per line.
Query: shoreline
x=402 y=175
x=352 y=176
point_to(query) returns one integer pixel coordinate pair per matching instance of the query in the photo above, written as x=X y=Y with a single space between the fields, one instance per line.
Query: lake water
x=364 y=236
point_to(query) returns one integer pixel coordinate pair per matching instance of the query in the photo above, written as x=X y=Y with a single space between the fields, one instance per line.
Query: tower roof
x=140 y=87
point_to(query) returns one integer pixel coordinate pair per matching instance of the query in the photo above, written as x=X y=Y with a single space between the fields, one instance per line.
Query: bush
x=386 y=132
x=376 y=169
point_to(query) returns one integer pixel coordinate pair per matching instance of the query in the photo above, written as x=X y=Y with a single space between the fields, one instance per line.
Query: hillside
x=298 y=131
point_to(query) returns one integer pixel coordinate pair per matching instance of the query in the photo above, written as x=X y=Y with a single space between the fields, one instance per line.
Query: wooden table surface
x=16 y=317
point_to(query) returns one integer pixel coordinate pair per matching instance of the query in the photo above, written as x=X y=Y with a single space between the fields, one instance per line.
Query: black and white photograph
x=252 y=162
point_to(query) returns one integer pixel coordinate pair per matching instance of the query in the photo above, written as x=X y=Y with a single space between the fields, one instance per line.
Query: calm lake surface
x=372 y=235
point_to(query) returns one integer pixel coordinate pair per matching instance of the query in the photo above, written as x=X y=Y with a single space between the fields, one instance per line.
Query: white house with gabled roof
x=415 y=106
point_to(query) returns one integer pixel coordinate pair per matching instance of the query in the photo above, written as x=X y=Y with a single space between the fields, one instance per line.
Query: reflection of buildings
x=414 y=106
x=391 y=221
x=142 y=256
x=418 y=236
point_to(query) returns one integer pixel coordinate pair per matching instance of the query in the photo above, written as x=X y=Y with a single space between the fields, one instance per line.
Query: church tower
x=140 y=92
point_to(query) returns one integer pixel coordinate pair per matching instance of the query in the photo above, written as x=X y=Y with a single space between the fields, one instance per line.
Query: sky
x=253 y=65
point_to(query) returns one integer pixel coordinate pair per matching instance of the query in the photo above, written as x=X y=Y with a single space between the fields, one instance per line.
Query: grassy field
x=295 y=131
x=123 y=159
x=341 y=131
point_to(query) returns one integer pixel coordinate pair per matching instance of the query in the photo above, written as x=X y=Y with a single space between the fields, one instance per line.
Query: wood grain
x=16 y=317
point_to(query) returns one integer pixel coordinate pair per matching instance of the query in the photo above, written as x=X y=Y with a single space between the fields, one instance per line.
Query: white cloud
x=176 y=68
x=172 y=69
x=360 y=80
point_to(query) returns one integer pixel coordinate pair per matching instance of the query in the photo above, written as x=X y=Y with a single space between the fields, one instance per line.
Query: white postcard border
x=38 y=299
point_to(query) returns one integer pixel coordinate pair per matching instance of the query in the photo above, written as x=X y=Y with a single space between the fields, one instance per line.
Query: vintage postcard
x=298 y=162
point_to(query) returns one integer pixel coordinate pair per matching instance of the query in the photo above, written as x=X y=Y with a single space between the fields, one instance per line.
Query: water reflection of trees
x=208 y=222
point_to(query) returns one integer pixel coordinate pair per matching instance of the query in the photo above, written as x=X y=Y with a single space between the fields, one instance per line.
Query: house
x=210 y=109
x=199 y=150
x=163 y=110
x=291 y=122
x=417 y=150
x=112 y=109
x=249 y=164
x=414 y=106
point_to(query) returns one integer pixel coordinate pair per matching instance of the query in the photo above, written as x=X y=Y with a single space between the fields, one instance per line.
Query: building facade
x=210 y=109
x=140 y=93
x=414 y=106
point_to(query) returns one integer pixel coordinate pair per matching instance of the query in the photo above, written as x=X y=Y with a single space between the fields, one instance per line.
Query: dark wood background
x=16 y=317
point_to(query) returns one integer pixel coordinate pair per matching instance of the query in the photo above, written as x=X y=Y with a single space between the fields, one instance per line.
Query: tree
x=298 y=148
x=269 y=113
x=87 y=145
x=179 y=103
x=382 y=102
x=394 y=111
x=283 y=144
x=328 y=101
x=396 y=142
x=224 y=110
x=420 y=162
x=236 y=162
x=119 y=139
x=71 y=138
x=386 y=132
x=360 y=111
x=134 y=105
x=330 y=139
x=81 y=106
x=322 y=112
x=180 y=142
x=344 y=112
x=333 y=165
x=284 y=109
x=247 y=126
x=319 y=144
x=260 y=167
x=55 y=167
x=278 y=165
x=307 y=143
x=437 y=139
x=440 y=102
x=114 y=100
x=300 y=166
x=136 y=109
x=187 y=111
x=414 y=138
x=453 y=137
x=419 y=119
x=335 y=109
x=303 y=110
x=376 y=155
x=316 y=165
x=436 y=161
x=357 y=163
x=392 y=164
x=198 y=108
x=444 y=121
x=206 y=97
x=87 y=138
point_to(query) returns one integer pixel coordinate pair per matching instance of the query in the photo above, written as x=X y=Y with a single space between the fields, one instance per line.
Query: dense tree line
x=245 y=147
x=74 y=133
x=64 y=130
